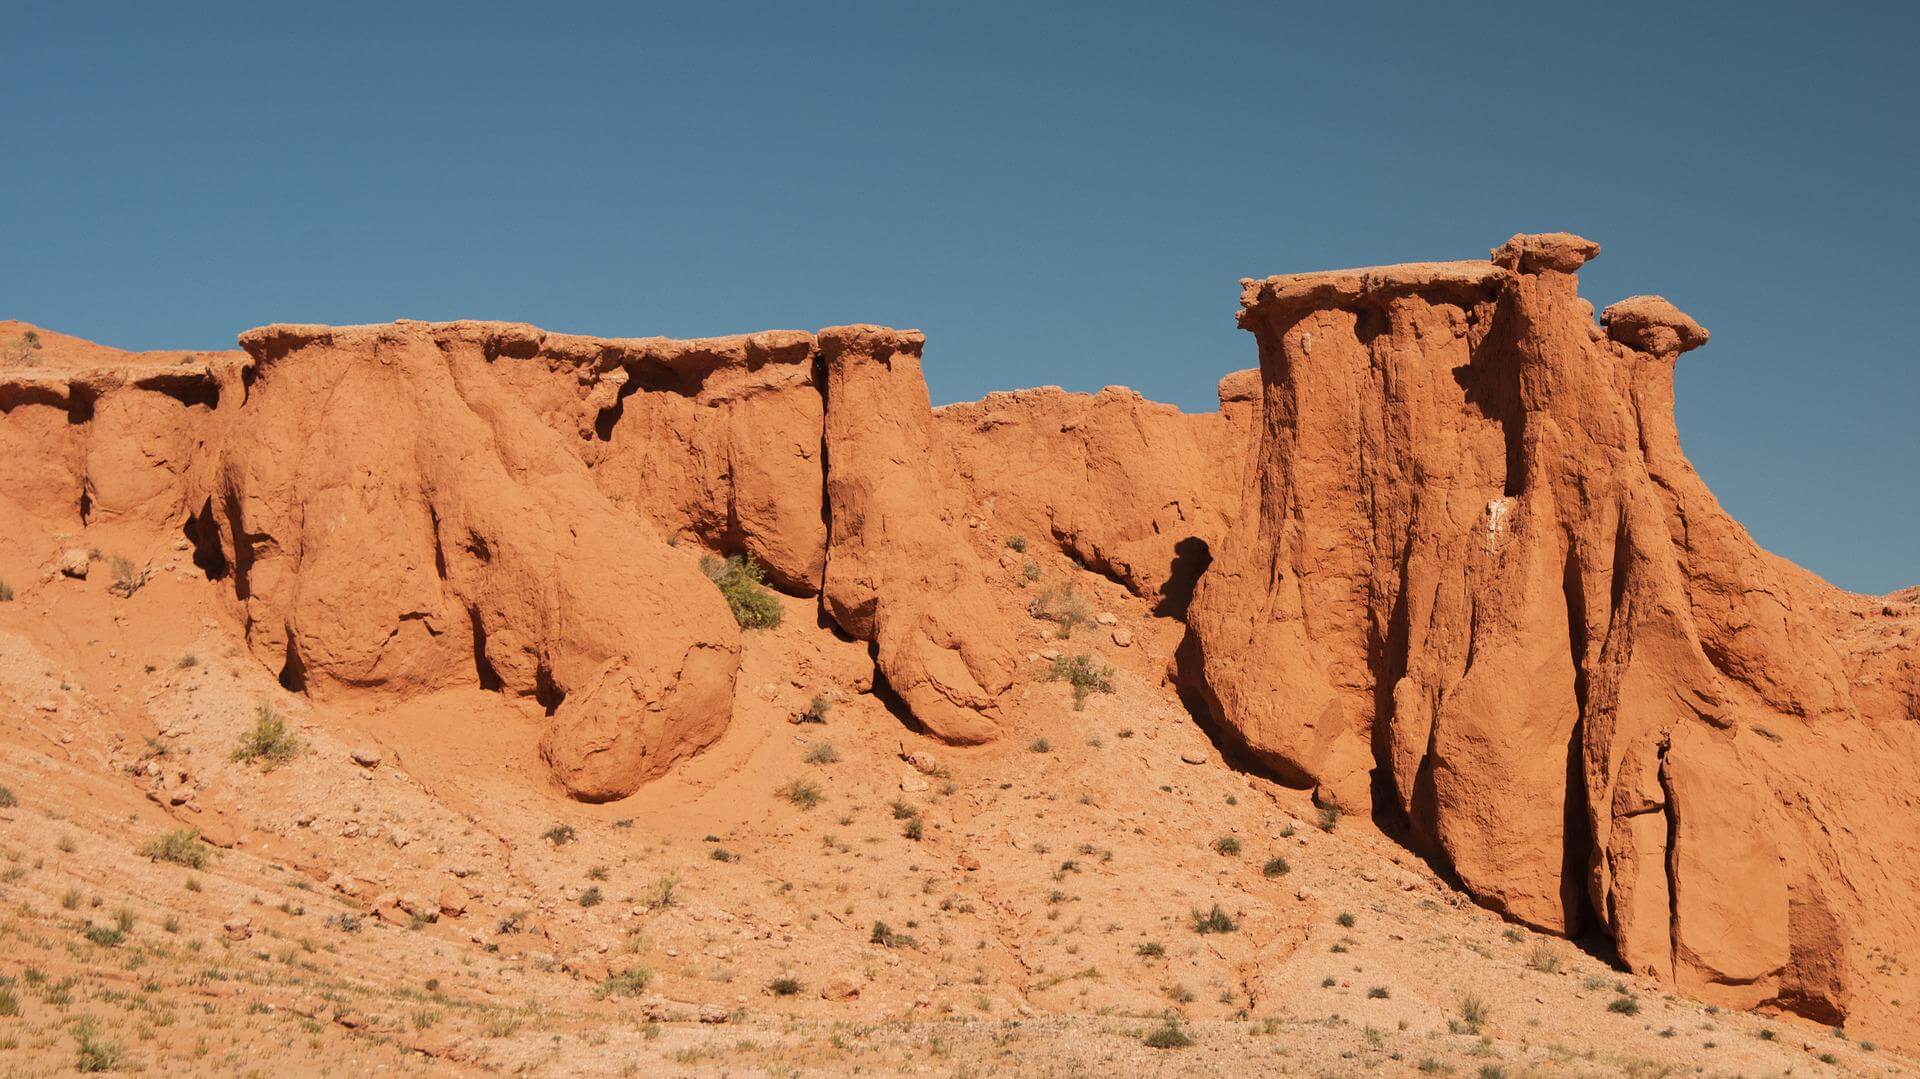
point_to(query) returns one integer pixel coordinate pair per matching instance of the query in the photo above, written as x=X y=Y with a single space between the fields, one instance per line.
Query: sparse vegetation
x=182 y=847
x=1086 y=676
x=1378 y=992
x=916 y=829
x=95 y=1053
x=885 y=936
x=1625 y=1004
x=804 y=793
x=1345 y=920
x=1543 y=959
x=187 y=662
x=1329 y=816
x=1214 y=920
x=1168 y=1035
x=630 y=982
x=1039 y=745
x=822 y=753
x=1152 y=949
x=816 y=710
x=1227 y=845
x=1276 y=867
x=560 y=835
x=1064 y=606
x=7 y=799
x=591 y=897
x=269 y=742
x=744 y=585
x=6 y=592
x=1018 y=543
x=722 y=854
x=1473 y=1012
x=784 y=987
x=126 y=579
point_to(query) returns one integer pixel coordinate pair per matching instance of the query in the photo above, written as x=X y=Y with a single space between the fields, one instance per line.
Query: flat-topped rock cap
x=1537 y=251
x=1290 y=293
x=521 y=340
x=1651 y=324
x=868 y=338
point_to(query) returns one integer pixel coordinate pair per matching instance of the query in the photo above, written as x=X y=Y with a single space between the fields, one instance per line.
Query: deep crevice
x=546 y=691
x=293 y=673
x=482 y=666
x=203 y=534
x=1191 y=557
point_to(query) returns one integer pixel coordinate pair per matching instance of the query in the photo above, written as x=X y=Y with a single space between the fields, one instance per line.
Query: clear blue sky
x=1056 y=194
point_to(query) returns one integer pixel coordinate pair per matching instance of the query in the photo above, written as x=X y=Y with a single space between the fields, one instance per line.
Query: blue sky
x=1055 y=193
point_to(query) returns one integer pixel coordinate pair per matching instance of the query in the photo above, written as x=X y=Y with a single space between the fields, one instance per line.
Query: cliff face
x=1439 y=558
x=1477 y=580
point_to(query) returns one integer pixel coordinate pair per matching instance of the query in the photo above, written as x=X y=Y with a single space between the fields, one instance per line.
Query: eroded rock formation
x=395 y=517
x=1477 y=577
x=900 y=574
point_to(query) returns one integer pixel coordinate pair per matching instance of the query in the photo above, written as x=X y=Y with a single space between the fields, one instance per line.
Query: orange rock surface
x=1440 y=560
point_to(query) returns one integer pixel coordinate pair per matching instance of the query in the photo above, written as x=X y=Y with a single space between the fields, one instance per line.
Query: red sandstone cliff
x=1451 y=567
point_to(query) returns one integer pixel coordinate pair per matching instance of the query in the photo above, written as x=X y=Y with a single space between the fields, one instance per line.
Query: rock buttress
x=1477 y=583
x=396 y=517
x=899 y=573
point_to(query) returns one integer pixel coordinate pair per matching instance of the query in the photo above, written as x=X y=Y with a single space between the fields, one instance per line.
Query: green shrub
x=1276 y=867
x=1065 y=607
x=744 y=584
x=560 y=835
x=1329 y=816
x=630 y=982
x=1227 y=845
x=1168 y=1035
x=1084 y=675
x=182 y=847
x=916 y=829
x=1345 y=920
x=1624 y=1005
x=106 y=936
x=1543 y=959
x=95 y=1053
x=1039 y=745
x=269 y=742
x=1152 y=949
x=816 y=711
x=884 y=936
x=1473 y=1011
x=6 y=592
x=7 y=800
x=822 y=753
x=591 y=897
x=722 y=854
x=1378 y=992
x=784 y=987
x=804 y=793
x=1215 y=920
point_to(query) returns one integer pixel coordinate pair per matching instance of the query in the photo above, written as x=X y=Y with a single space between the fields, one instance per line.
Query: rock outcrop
x=394 y=516
x=899 y=574
x=1478 y=583
x=1129 y=487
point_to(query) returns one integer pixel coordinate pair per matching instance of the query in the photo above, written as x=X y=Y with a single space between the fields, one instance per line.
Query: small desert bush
x=722 y=854
x=1085 y=676
x=94 y=1052
x=630 y=982
x=784 y=987
x=187 y=661
x=916 y=829
x=269 y=742
x=1345 y=920
x=7 y=800
x=1543 y=959
x=560 y=835
x=592 y=897
x=885 y=936
x=1168 y=1035
x=182 y=847
x=816 y=710
x=1018 y=543
x=1039 y=745
x=6 y=592
x=804 y=793
x=822 y=753
x=744 y=585
x=659 y=894
x=1378 y=992
x=1474 y=1011
x=1276 y=867
x=1227 y=845
x=1624 y=1005
x=1329 y=816
x=1064 y=606
x=1215 y=920
x=1152 y=949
